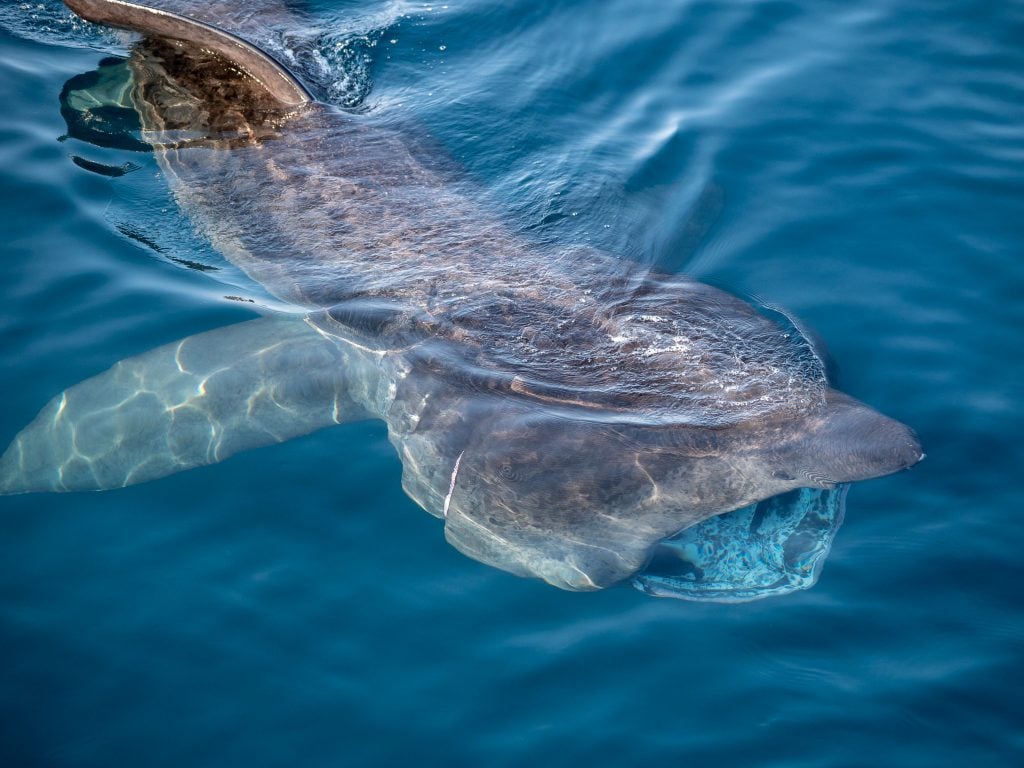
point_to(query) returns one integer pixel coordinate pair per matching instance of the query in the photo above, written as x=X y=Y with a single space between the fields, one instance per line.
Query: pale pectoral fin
x=277 y=81
x=183 y=405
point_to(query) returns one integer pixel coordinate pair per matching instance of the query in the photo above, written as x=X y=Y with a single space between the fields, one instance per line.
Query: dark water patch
x=102 y=169
x=198 y=266
x=139 y=237
x=97 y=108
x=129 y=231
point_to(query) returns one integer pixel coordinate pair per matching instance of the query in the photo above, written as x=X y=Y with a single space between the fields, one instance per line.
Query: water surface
x=861 y=166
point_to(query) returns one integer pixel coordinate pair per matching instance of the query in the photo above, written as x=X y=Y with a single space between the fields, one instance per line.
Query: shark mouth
x=771 y=548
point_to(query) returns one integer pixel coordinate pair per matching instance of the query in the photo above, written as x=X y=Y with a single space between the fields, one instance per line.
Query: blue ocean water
x=858 y=165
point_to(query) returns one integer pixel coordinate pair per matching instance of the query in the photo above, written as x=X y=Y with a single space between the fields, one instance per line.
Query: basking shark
x=562 y=411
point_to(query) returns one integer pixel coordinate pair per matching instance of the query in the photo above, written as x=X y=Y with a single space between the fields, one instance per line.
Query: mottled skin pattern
x=330 y=210
x=562 y=410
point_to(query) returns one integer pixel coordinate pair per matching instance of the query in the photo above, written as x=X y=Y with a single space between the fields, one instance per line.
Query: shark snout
x=878 y=445
x=886 y=445
x=856 y=442
x=910 y=451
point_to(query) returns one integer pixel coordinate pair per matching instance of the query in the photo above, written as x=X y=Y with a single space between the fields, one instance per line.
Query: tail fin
x=278 y=82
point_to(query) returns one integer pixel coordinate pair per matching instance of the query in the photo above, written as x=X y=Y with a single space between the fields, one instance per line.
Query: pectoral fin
x=183 y=405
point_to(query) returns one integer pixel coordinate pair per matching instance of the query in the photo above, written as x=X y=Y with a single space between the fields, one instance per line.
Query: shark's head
x=571 y=503
x=581 y=503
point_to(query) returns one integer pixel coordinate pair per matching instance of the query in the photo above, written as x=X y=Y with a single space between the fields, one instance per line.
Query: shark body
x=563 y=412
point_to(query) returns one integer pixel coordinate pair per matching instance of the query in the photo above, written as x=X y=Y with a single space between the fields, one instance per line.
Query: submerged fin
x=183 y=405
x=279 y=83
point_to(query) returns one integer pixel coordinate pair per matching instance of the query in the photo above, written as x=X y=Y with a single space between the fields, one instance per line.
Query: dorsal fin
x=271 y=74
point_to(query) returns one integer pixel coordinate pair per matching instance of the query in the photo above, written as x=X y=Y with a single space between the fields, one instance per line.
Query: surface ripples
x=859 y=166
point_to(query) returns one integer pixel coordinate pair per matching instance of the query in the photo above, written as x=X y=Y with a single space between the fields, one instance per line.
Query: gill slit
x=451 y=486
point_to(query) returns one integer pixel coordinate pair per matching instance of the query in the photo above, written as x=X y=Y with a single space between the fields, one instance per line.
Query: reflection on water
x=97 y=108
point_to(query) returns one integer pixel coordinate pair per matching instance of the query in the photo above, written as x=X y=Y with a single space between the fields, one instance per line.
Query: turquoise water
x=860 y=166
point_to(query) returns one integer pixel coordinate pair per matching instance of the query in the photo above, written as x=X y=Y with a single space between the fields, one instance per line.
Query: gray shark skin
x=562 y=411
